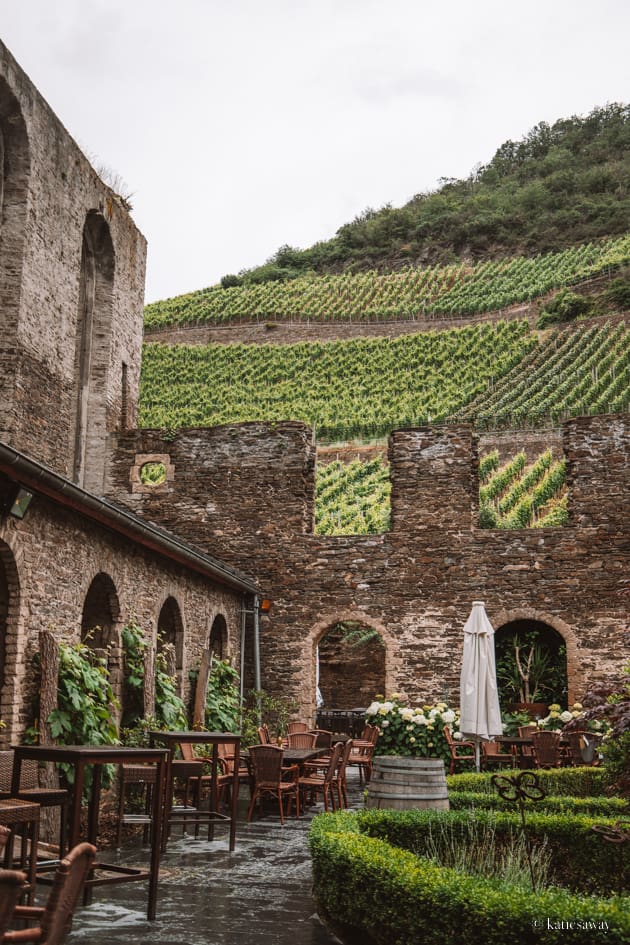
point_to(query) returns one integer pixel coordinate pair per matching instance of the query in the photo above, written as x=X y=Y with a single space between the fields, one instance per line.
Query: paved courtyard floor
x=261 y=893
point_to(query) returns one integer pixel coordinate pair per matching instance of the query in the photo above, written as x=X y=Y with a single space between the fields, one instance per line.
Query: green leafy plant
x=223 y=703
x=170 y=709
x=274 y=712
x=413 y=732
x=134 y=650
x=530 y=668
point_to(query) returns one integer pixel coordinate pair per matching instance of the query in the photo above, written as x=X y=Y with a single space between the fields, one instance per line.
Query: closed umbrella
x=480 y=715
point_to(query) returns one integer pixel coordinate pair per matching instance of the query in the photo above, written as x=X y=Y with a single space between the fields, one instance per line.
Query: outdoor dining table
x=95 y=756
x=188 y=815
x=518 y=742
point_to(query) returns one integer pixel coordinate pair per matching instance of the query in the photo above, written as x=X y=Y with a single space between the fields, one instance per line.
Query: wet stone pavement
x=261 y=893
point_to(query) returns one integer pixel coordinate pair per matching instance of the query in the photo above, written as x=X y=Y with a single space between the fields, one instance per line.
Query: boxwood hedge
x=597 y=806
x=381 y=894
x=577 y=782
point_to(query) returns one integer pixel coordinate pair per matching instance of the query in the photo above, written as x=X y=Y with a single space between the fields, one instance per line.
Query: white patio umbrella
x=480 y=715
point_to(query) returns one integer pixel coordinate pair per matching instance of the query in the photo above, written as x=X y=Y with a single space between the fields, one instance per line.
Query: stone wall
x=50 y=190
x=245 y=493
x=48 y=562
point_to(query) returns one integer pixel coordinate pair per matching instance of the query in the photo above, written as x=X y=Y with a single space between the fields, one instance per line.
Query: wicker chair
x=302 y=740
x=31 y=791
x=361 y=756
x=546 y=746
x=139 y=775
x=269 y=778
x=455 y=748
x=12 y=883
x=294 y=727
x=323 y=738
x=314 y=783
x=56 y=916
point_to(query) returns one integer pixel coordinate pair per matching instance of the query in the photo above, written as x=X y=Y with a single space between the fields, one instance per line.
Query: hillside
x=561 y=184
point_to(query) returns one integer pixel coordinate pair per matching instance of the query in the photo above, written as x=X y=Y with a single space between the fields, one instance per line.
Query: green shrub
x=595 y=806
x=576 y=782
x=384 y=895
x=563 y=307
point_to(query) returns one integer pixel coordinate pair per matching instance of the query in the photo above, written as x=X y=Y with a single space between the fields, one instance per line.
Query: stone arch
x=92 y=352
x=391 y=659
x=9 y=619
x=100 y=617
x=218 y=638
x=556 y=623
x=15 y=167
x=170 y=636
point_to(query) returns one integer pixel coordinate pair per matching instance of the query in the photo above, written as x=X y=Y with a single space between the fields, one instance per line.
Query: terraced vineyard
x=445 y=291
x=353 y=498
x=578 y=371
x=345 y=389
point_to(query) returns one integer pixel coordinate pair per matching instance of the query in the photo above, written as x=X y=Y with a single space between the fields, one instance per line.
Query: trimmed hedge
x=576 y=782
x=386 y=895
x=580 y=858
x=593 y=806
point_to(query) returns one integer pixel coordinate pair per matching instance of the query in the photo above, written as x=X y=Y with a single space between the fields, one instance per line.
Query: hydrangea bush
x=557 y=719
x=412 y=732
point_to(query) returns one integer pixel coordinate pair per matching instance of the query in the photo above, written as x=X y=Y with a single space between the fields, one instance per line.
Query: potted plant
x=527 y=671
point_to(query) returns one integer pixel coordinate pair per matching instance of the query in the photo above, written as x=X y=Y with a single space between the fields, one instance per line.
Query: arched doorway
x=9 y=606
x=170 y=639
x=352 y=669
x=531 y=658
x=92 y=351
x=101 y=613
x=217 y=642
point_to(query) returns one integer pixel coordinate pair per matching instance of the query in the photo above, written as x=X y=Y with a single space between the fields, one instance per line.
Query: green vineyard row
x=451 y=291
x=344 y=389
x=354 y=498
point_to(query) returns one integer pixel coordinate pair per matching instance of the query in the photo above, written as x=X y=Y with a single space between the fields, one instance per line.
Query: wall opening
x=171 y=636
x=542 y=654
x=351 y=665
x=92 y=351
x=101 y=613
x=218 y=639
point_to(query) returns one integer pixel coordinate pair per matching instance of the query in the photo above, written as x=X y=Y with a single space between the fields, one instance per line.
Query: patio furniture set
x=531 y=748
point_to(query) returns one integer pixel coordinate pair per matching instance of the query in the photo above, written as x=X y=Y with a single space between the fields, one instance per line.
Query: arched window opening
x=531 y=659
x=92 y=351
x=351 y=658
x=218 y=639
x=171 y=636
x=101 y=612
x=4 y=620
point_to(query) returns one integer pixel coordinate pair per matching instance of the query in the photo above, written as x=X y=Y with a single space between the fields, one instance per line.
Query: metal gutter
x=40 y=479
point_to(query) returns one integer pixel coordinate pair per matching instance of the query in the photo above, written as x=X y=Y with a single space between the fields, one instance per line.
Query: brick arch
x=318 y=632
x=170 y=623
x=92 y=351
x=101 y=609
x=560 y=626
x=219 y=636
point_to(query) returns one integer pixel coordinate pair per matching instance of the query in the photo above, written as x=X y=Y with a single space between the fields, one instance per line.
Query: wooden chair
x=360 y=757
x=339 y=779
x=263 y=734
x=269 y=777
x=313 y=783
x=12 y=883
x=546 y=747
x=323 y=738
x=31 y=791
x=145 y=777
x=491 y=754
x=302 y=739
x=55 y=917
x=455 y=748
x=294 y=727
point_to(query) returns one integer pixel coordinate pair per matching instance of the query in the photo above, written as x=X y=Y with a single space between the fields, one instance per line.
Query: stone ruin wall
x=49 y=190
x=245 y=493
x=48 y=590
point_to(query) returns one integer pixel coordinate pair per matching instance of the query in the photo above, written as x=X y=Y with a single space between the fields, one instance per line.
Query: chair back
x=343 y=759
x=448 y=735
x=323 y=738
x=266 y=764
x=491 y=748
x=67 y=886
x=5 y=833
x=263 y=734
x=333 y=764
x=302 y=740
x=546 y=746
x=524 y=731
x=28 y=772
x=294 y=727
x=12 y=884
x=188 y=751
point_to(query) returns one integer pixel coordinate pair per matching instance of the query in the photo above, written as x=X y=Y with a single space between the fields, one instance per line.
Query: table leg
x=214 y=798
x=159 y=807
x=235 y=787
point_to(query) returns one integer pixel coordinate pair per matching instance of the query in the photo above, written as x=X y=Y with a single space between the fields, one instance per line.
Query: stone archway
x=218 y=639
x=509 y=621
x=389 y=647
x=9 y=611
x=170 y=637
x=101 y=615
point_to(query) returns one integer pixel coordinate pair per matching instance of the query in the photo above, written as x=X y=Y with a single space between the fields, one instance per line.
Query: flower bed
x=379 y=893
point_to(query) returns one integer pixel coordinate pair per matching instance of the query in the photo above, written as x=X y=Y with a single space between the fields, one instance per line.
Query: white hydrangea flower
x=448 y=716
x=384 y=724
x=406 y=714
x=566 y=716
x=373 y=708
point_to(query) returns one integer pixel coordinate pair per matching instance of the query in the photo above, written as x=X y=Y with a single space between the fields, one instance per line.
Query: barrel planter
x=403 y=783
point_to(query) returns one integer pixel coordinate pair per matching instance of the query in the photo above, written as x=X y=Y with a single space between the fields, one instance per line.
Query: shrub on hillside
x=563 y=307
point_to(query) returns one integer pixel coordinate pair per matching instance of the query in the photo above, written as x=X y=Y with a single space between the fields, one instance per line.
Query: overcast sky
x=241 y=125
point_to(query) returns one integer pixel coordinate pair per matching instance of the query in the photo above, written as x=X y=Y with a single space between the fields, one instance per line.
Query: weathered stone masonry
x=246 y=493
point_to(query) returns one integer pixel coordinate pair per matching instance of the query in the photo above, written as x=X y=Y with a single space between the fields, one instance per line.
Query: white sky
x=241 y=125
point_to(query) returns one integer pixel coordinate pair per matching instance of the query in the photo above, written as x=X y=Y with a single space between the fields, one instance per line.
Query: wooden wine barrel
x=403 y=783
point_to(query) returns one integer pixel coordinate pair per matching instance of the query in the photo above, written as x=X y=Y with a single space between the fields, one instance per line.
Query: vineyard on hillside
x=354 y=498
x=444 y=291
x=346 y=389
x=578 y=371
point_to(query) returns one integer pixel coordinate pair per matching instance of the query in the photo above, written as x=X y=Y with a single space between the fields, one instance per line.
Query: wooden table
x=14 y=813
x=80 y=757
x=187 y=814
x=518 y=742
